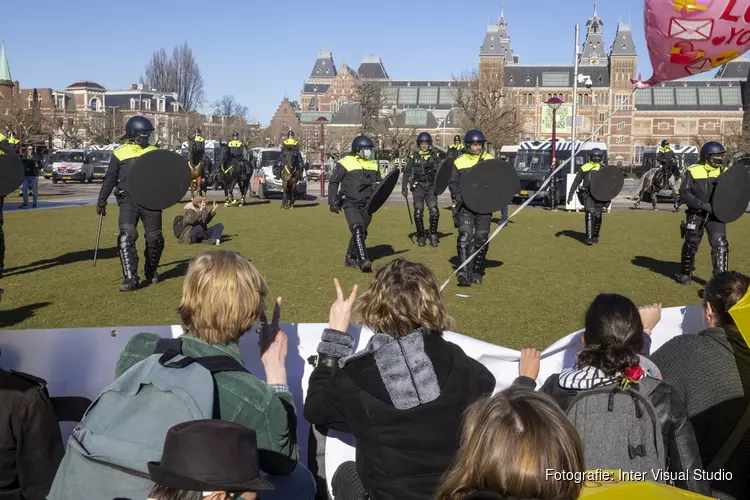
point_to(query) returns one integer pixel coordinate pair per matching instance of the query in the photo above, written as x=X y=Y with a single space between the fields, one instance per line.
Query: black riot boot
x=359 y=242
x=152 y=254
x=464 y=252
x=687 y=261
x=720 y=256
x=434 y=219
x=419 y=222
x=597 y=223
x=589 y=228
x=351 y=255
x=129 y=262
x=479 y=263
x=2 y=247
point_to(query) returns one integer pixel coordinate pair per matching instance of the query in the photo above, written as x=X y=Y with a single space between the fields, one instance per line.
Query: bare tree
x=398 y=140
x=487 y=106
x=229 y=106
x=104 y=128
x=371 y=102
x=69 y=130
x=179 y=74
x=339 y=140
x=29 y=122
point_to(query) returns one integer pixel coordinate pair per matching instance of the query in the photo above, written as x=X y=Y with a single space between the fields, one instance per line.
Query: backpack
x=619 y=428
x=178 y=226
x=125 y=427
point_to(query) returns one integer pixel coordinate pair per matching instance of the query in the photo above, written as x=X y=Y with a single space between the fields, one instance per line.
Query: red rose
x=634 y=373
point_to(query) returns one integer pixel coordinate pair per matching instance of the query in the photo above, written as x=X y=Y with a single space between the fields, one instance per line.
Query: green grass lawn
x=539 y=280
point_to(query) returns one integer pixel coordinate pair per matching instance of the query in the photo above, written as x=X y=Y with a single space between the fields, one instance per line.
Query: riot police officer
x=470 y=224
x=138 y=132
x=358 y=175
x=419 y=174
x=456 y=149
x=696 y=192
x=592 y=208
x=14 y=142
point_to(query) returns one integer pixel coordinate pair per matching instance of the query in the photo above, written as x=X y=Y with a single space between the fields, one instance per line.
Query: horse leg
x=654 y=197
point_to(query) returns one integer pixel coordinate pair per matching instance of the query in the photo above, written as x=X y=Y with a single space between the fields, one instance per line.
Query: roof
x=85 y=84
x=692 y=95
x=623 y=44
x=349 y=114
x=738 y=68
x=312 y=88
x=417 y=118
x=426 y=96
x=121 y=99
x=4 y=67
x=324 y=66
x=372 y=68
x=497 y=42
x=312 y=116
x=593 y=47
x=553 y=76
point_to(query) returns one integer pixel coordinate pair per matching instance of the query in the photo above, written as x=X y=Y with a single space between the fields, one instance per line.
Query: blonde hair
x=197 y=201
x=404 y=296
x=222 y=296
x=508 y=443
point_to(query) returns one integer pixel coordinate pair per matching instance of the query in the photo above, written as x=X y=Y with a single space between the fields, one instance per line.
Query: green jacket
x=243 y=399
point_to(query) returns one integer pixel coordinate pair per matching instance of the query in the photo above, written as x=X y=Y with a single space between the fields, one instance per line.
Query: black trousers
x=694 y=228
x=422 y=193
x=130 y=214
x=2 y=235
x=356 y=215
x=593 y=206
x=474 y=226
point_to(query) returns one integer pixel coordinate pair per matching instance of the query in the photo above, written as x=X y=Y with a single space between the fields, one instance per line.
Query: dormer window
x=132 y=103
x=94 y=104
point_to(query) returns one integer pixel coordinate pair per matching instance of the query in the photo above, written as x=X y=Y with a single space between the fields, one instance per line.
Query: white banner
x=81 y=362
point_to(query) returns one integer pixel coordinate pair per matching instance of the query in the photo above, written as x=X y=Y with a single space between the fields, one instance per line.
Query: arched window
x=94 y=104
x=334 y=106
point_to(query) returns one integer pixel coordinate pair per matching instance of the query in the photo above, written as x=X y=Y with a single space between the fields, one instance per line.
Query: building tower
x=496 y=52
x=7 y=93
x=622 y=68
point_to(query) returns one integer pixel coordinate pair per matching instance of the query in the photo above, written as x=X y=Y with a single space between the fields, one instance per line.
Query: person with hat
x=14 y=142
x=456 y=149
x=290 y=159
x=696 y=192
x=470 y=224
x=358 y=175
x=214 y=457
x=419 y=174
x=138 y=132
x=592 y=208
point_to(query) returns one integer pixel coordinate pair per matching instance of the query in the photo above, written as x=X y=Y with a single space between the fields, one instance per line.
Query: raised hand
x=341 y=310
x=273 y=346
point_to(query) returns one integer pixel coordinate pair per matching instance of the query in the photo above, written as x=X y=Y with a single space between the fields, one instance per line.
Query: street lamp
x=114 y=126
x=322 y=121
x=554 y=103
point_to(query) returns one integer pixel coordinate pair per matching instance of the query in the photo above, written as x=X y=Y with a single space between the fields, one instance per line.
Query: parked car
x=313 y=173
x=263 y=181
x=48 y=158
x=70 y=165
x=99 y=161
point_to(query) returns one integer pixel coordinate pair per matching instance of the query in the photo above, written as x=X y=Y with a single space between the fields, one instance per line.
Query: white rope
x=574 y=152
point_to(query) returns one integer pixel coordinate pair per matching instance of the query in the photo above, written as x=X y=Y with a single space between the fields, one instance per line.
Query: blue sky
x=263 y=51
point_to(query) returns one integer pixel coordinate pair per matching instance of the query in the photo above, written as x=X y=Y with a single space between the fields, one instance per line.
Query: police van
x=533 y=163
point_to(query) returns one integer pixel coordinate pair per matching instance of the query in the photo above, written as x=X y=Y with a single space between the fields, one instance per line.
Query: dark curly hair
x=613 y=334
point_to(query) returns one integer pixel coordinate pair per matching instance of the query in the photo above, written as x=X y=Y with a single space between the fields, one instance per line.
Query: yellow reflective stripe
x=13 y=141
x=290 y=142
x=3 y=138
x=467 y=160
x=199 y=139
x=352 y=162
x=704 y=171
x=591 y=166
x=132 y=150
x=235 y=144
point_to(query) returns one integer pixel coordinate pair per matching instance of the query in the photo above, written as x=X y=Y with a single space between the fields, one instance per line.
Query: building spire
x=4 y=67
x=594 y=8
x=502 y=9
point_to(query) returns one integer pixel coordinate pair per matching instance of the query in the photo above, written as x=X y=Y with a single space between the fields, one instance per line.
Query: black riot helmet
x=139 y=129
x=712 y=153
x=596 y=155
x=197 y=132
x=456 y=139
x=235 y=136
x=290 y=134
x=362 y=143
x=11 y=135
x=474 y=135
x=664 y=143
x=424 y=137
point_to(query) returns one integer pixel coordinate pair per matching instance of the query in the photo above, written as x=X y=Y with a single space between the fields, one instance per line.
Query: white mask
x=367 y=154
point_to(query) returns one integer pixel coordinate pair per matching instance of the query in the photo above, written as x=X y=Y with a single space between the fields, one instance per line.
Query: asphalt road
x=77 y=194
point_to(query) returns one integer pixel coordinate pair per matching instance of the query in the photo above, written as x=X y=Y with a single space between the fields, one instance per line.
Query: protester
x=711 y=373
x=509 y=443
x=30 y=180
x=222 y=296
x=403 y=395
x=193 y=226
x=612 y=339
x=208 y=460
x=30 y=443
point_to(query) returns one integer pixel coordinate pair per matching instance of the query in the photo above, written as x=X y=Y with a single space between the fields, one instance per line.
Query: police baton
x=408 y=209
x=98 y=236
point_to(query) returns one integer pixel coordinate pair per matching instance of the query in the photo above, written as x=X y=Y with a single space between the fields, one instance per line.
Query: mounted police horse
x=229 y=175
x=291 y=173
x=196 y=162
x=659 y=178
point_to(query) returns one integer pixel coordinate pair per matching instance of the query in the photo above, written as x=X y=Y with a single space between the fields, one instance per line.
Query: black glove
x=707 y=207
x=459 y=200
x=404 y=191
x=334 y=208
x=570 y=198
x=101 y=210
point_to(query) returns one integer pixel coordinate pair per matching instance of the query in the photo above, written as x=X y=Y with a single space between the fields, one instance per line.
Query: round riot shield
x=11 y=170
x=159 y=179
x=606 y=183
x=732 y=193
x=489 y=186
x=383 y=191
x=443 y=176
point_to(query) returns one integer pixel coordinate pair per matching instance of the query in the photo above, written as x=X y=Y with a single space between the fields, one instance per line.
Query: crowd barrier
x=81 y=362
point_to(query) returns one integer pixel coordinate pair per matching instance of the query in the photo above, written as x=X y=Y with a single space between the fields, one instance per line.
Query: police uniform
x=292 y=158
x=116 y=179
x=2 y=238
x=357 y=178
x=237 y=160
x=419 y=173
x=695 y=192
x=592 y=208
x=470 y=224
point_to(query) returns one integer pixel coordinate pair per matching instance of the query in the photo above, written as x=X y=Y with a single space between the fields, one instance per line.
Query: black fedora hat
x=209 y=455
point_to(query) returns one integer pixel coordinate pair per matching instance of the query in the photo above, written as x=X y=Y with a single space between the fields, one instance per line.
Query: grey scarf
x=407 y=372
